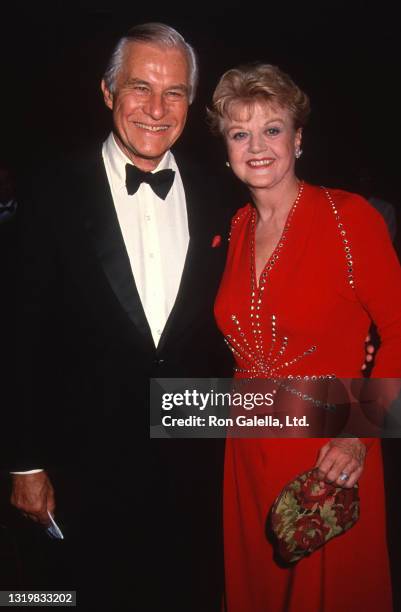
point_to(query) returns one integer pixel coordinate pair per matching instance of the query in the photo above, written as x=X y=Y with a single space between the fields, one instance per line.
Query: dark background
x=344 y=54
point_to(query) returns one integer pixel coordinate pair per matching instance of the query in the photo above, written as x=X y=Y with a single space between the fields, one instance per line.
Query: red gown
x=333 y=270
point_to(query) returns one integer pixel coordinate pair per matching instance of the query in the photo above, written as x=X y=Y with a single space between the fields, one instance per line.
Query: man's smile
x=151 y=128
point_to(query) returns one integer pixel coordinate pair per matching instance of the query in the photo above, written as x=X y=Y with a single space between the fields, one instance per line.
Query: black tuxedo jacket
x=85 y=353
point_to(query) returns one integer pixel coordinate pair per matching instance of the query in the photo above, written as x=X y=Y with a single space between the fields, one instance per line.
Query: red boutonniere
x=216 y=242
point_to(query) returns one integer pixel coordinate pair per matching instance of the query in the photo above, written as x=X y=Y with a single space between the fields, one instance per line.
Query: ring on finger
x=343 y=476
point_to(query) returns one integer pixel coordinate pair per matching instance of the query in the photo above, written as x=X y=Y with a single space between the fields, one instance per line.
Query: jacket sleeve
x=35 y=367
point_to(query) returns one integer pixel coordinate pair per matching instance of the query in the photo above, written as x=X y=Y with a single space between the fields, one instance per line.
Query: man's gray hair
x=157 y=33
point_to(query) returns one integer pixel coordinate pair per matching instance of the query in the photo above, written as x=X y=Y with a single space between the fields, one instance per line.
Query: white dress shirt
x=155 y=233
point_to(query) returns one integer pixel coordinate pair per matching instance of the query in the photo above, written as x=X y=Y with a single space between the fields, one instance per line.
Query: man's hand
x=33 y=495
x=341 y=461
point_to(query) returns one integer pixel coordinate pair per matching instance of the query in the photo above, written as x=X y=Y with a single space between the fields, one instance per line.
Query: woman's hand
x=341 y=461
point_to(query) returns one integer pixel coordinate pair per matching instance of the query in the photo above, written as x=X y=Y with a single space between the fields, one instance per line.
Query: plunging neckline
x=257 y=284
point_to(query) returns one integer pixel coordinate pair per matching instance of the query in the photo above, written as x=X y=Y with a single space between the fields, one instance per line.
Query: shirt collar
x=117 y=159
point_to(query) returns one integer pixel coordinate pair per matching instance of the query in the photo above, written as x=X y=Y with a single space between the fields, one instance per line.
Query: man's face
x=150 y=102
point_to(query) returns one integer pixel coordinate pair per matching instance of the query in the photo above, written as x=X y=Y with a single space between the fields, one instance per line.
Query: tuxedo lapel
x=197 y=274
x=100 y=220
x=203 y=264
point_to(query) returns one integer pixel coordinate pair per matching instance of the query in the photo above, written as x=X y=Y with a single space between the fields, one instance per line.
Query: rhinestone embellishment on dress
x=257 y=364
x=257 y=292
x=345 y=241
x=251 y=351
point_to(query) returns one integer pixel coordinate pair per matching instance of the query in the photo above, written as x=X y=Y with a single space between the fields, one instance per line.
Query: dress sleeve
x=377 y=276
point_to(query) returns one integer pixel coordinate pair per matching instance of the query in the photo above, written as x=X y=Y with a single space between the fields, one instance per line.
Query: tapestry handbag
x=308 y=513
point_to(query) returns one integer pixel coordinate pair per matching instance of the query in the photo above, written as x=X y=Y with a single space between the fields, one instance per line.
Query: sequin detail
x=344 y=240
x=256 y=363
x=241 y=213
x=257 y=292
x=251 y=351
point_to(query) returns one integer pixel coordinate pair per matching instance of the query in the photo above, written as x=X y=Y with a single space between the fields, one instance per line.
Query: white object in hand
x=53 y=530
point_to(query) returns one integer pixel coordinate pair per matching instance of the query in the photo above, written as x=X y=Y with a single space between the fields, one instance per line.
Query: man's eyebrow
x=180 y=86
x=135 y=81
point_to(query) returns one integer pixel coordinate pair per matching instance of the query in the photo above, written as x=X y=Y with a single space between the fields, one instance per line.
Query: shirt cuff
x=29 y=471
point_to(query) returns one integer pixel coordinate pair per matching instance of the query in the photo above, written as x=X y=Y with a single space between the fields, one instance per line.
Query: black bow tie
x=159 y=181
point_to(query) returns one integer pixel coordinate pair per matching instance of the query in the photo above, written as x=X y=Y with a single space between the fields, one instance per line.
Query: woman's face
x=261 y=143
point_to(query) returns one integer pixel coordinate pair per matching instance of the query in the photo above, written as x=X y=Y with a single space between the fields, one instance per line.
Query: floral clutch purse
x=307 y=514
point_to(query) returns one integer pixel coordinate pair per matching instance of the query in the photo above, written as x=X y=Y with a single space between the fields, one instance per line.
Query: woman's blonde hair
x=257 y=82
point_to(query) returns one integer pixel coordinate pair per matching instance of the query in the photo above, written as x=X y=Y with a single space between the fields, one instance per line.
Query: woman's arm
x=377 y=275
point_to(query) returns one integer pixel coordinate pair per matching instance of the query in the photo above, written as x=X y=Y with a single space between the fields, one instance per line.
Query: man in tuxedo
x=121 y=253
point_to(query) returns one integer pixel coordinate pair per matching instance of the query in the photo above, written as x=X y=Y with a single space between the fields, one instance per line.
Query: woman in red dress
x=308 y=270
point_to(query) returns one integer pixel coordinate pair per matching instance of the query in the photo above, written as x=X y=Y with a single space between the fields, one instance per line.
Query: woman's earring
x=298 y=152
x=228 y=164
